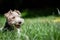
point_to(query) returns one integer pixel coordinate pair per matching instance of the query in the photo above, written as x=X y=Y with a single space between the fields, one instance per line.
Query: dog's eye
x=13 y=17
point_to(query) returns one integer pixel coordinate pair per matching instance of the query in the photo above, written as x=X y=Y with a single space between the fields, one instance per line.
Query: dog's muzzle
x=18 y=24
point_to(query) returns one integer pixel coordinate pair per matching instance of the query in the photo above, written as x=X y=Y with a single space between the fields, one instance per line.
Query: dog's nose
x=19 y=22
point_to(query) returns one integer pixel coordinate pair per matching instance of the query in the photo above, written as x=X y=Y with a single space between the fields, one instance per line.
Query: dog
x=13 y=20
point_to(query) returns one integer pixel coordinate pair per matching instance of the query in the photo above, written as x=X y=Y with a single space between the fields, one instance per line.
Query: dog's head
x=14 y=18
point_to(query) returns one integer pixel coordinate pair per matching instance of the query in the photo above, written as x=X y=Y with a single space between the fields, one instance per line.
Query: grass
x=39 y=28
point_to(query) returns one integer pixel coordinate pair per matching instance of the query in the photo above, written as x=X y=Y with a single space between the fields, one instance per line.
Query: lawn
x=38 y=28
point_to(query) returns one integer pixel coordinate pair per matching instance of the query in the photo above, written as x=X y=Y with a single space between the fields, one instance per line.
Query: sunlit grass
x=39 y=28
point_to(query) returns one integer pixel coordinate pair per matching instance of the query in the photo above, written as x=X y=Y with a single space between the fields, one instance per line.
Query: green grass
x=39 y=28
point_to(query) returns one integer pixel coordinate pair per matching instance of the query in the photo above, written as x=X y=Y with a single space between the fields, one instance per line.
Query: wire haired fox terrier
x=13 y=20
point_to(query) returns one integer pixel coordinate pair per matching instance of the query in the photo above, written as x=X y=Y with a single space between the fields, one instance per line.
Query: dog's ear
x=8 y=13
x=18 y=12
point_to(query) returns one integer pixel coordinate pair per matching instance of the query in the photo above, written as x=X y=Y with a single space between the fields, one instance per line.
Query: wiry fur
x=13 y=20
